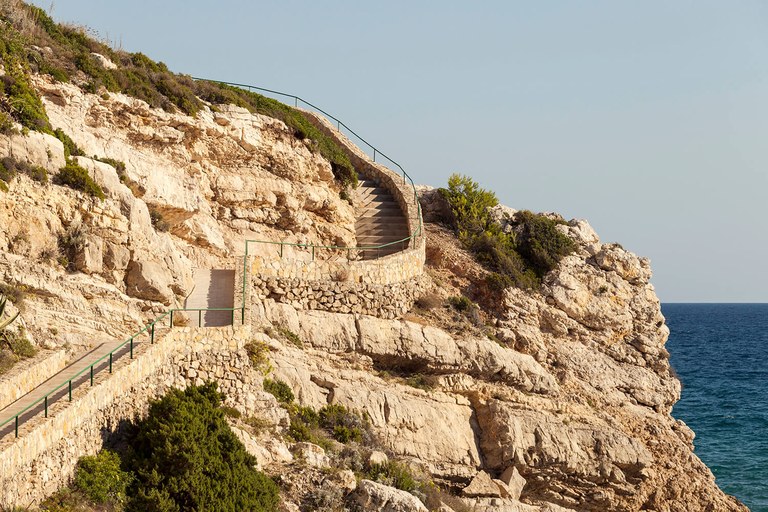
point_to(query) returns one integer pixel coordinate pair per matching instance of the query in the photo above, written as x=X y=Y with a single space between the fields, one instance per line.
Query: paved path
x=214 y=288
x=46 y=388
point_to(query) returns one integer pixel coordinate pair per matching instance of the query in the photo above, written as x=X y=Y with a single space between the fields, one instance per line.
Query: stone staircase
x=380 y=220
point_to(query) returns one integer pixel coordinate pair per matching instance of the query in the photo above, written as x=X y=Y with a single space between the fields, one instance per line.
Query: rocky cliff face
x=562 y=401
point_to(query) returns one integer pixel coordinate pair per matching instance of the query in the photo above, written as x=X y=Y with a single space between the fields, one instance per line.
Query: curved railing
x=106 y=361
x=300 y=102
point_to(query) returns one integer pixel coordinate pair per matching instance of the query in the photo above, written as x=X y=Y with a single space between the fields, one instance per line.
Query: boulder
x=312 y=454
x=148 y=280
x=514 y=481
x=374 y=496
x=482 y=486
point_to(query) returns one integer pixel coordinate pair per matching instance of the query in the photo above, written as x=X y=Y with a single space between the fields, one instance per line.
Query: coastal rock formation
x=560 y=402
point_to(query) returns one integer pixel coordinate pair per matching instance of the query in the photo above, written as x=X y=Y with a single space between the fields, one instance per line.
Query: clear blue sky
x=649 y=119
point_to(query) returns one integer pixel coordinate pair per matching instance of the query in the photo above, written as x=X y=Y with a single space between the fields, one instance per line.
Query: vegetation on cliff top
x=519 y=257
x=30 y=41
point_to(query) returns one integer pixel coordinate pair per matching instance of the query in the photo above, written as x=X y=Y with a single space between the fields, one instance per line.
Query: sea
x=720 y=352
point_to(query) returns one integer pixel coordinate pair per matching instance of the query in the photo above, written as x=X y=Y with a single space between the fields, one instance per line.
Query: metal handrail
x=416 y=233
x=150 y=327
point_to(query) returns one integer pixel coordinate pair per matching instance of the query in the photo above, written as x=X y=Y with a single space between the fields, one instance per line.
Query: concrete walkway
x=214 y=288
x=46 y=388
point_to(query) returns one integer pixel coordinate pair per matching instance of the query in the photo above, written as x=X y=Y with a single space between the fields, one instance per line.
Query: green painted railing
x=299 y=102
x=128 y=345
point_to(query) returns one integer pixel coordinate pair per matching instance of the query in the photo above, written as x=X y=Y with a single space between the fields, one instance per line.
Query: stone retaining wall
x=385 y=288
x=43 y=458
x=27 y=375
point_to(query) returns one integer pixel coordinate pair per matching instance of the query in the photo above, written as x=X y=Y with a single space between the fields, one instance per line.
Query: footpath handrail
x=110 y=357
x=150 y=327
x=297 y=99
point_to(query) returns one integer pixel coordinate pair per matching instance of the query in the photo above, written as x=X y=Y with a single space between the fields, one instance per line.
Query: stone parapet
x=27 y=375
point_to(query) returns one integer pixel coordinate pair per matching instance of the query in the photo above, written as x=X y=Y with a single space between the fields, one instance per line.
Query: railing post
x=171 y=326
x=70 y=390
x=131 y=348
x=91 y=375
x=17 y=425
x=152 y=335
x=110 y=362
x=374 y=154
x=199 y=317
x=281 y=251
x=46 y=406
x=313 y=253
x=233 y=317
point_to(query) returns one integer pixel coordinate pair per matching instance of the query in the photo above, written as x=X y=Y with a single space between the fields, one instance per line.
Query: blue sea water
x=720 y=352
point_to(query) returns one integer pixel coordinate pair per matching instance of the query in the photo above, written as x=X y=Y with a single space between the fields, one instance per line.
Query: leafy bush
x=344 y=425
x=185 y=457
x=70 y=148
x=291 y=336
x=520 y=257
x=100 y=478
x=460 y=303
x=76 y=177
x=332 y=421
x=18 y=99
x=258 y=355
x=279 y=390
x=541 y=243
x=157 y=220
x=10 y=167
x=394 y=474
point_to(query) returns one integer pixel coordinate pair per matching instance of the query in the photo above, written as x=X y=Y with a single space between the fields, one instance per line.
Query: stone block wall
x=27 y=375
x=385 y=288
x=43 y=458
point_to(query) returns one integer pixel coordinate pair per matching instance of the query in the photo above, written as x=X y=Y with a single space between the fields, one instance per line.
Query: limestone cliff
x=560 y=399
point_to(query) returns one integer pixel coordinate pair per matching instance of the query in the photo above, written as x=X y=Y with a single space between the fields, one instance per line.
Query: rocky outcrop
x=374 y=496
x=564 y=405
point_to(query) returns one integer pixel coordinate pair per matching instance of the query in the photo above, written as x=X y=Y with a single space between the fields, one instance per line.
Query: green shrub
x=344 y=425
x=231 y=412
x=393 y=473
x=76 y=177
x=117 y=164
x=184 y=456
x=7 y=174
x=460 y=303
x=279 y=390
x=258 y=354
x=70 y=148
x=10 y=167
x=520 y=260
x=291 y=337
x=541 y=243
x=100 y=478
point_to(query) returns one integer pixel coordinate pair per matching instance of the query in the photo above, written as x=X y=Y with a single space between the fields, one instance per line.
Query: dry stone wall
x=42 y=459
x=385 y=288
